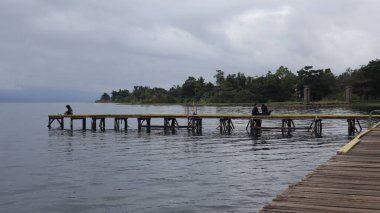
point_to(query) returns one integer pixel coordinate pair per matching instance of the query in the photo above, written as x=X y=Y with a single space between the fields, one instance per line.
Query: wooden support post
x=199 y=125
x=102 y=124
x=125 y=124
x=72 y=119
x=49 y=124
x=71 y=124
x=147 y=125
x=173 y=125
x=351 y=127
x=139 y=124
x=170 y=124
x=116 y=124
x=318 y=128
x=166 y=124
x=360 y=126
x=221 y=125
x=252 y=127
x=255 y=127
x=93 y=124
x=59 y=120
x=62 y=123
x=195 y=124
x=287 y=127
x=226 y=125
x=84 y=123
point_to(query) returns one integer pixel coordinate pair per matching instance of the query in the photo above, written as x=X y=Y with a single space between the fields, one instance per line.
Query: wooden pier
x=193 y=123
x=348 y=182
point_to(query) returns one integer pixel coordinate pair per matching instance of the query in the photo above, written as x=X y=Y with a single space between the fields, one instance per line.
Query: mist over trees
x=281 y=85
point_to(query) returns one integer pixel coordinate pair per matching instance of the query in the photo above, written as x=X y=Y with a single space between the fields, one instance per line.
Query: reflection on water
x=75 y=171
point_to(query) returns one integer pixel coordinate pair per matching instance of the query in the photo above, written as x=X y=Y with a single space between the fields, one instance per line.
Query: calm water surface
x=74 y=171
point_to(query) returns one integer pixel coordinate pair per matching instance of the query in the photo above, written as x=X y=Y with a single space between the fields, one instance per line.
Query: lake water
x=55 y=170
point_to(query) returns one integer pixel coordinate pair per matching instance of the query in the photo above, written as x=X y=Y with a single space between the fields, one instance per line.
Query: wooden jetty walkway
x=194 y=122
x=348 y=182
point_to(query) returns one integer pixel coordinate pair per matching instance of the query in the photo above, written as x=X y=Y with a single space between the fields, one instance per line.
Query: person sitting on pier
x=255 y=110
x=69 y=110
x=264 y=110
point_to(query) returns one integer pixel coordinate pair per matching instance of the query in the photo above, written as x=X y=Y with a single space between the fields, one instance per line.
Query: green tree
x=219 y=76
x=321 y=81
x=120 y=96
x=188 y=89
x=105 y=97
x=367 y=80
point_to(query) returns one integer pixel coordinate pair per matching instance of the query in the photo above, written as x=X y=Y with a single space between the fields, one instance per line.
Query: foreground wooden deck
x=348 y=182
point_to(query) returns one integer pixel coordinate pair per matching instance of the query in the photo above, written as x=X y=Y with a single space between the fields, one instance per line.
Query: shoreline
x=291 y=104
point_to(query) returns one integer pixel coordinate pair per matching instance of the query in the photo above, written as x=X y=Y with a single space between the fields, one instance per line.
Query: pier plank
x=345 y=183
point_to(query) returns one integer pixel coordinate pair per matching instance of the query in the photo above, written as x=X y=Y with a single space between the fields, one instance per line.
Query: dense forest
x=281 y=85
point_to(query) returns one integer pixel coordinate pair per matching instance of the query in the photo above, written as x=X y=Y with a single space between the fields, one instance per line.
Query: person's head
x=68 y=107
x=254 y=104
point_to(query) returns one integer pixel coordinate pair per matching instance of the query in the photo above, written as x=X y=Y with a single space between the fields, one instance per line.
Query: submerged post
x=351 y=127
x=195 y=124
x=226 y=125
x=102 y=124
x=255 y=127
x=93 y=124
x=59 y=120
x=83 y=123
x=147 y=125
x=287 y=127
x=71 y=124
x=170 y=124
x=318 y=128
x=116 y=124
x=140 y=122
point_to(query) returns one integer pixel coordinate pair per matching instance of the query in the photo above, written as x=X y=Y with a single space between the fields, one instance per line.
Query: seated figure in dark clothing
x=264 y=110
x=69 y=110
x=255 y=110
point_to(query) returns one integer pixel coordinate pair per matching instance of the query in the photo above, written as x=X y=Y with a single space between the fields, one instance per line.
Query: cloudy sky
x=77 y=49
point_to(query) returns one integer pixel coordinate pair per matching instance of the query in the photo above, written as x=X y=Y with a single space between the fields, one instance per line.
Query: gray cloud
x=96 y=46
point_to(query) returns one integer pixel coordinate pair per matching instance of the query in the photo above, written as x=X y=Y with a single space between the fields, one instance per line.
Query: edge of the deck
x=350 y=145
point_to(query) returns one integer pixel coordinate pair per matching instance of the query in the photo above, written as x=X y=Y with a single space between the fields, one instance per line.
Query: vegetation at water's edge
x=282 y=85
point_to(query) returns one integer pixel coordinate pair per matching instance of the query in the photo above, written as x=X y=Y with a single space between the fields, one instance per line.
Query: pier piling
x=255 y=127
x=225 y=125
x=118 y=121
x=170 y=124
x=140 y=123
x=195 y=124
x=287 y=127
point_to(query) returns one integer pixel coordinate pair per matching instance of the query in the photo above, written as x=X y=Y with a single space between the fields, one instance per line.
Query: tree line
x=278 y=86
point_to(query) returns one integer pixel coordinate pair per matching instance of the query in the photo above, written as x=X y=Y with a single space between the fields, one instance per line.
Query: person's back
x=255 y=110
x=264 y=109
x=69 y=110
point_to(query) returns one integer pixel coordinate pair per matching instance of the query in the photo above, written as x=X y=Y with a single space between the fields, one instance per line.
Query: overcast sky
x=73 y=47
